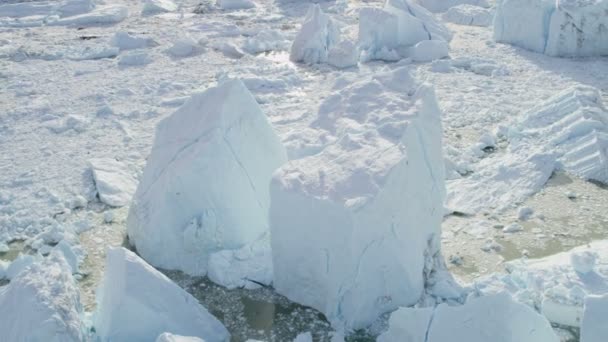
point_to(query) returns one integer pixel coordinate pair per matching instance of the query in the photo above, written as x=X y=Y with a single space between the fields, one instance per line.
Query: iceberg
x=135 y=302
x=563 y=28
x=42 y=303
x=495 y=318
x=355 y=228
x=314 y=40
x=205 y=186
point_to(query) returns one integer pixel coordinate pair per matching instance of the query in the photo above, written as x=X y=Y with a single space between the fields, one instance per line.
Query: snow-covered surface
x=42 y=303
x=384 y=171
x=205 y=185
x=444 y=5
x=496 y=317
x=555 y=285
x=557 y=28
x=315 y=39
x=469 y=15
x=385 y=33
x=138 y=303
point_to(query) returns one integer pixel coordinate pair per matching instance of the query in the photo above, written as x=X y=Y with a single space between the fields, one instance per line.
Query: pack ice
x=42 y=303
x=135 y=302
x=568 y=131
x=205 y=186
x=495 y=318
x=355 y=228
x=387 y=33
x=557 y=28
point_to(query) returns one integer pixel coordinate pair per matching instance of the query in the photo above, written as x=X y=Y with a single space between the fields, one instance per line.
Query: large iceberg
x=387 y=32
x=42 y=303
x=495 y=318
x=135 y=302
x=355 y=228
x=556 y=28
x=205 y=186
x=316 y=37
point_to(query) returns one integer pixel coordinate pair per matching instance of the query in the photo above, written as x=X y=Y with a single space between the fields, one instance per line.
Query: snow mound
x=396 y=27
x=135 y=302
x=429 y=50
x=594 y=328
x=205 y=186
x=565 y=28
x=443 y=5
x=235 y=4
x=134 y=59
x=314 y=40
x=266 y=40
x=114 y=182
x=469 y=15
x=568 y=131
x=343 y=55
x=555 y=284
x=168 y=337
x=497 y=318
x=126 y=41
x=355 y=228
x=152 y=7
x=42 y=303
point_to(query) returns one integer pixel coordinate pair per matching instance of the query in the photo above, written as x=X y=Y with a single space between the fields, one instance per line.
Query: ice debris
x=444 y=5
x=115 y=183
x=315 y=39
x=469 y=15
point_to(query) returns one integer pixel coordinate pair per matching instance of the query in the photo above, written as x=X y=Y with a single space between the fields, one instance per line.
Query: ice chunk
x=115 y=183
x=134 y=59
x=126 y=41
x=444 y=5
x=583 y=262
x=303 y=337
x=74 y=7
x=158 y=6
x=316 y=37
x=3 y=266
x=266 y=40
x=343 y=55
x=399 y=25
x=42 y=303
x=556 y=28
x=353 y=226
x=235 y=4
x=168 y=337
x=497 y=318
x=100 y=16
x=469 y=15
x=183 y=47
x=594 y=327
x=205 y=187
x=22 y=262
x=429 y=50
x=135 y=302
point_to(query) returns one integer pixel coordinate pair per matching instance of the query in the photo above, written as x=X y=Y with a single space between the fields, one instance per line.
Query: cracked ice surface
x=205 y=186
x=352 y=227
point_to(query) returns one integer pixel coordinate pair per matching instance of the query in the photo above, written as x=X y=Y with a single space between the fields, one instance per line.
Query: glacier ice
x=315 y=38
x=566 y=28
x=42 y=303
x=469 y=15
x=205 y=186
x=594 y=328
x=135 y=302
x=354 y=228
x=397 y=26
x=444 y=5
x=494 y=318
x=114 y=181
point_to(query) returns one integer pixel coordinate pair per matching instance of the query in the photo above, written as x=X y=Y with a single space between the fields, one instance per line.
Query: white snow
x=429 y=50
x=125 y=41
x=205 y=186
x=594 y=327
x=136 y=58
x=115 y=183
x=235 y=4
x=135 y=302
x=556 y=28
x=42 y=303
x=444 y=5
x=555 y=285
x=151 y=7
x=168 y=337
x=469 y=15
x=385 y=172
x=399 y=25
x=495 y=318
x=315 y=38
x=266 y=40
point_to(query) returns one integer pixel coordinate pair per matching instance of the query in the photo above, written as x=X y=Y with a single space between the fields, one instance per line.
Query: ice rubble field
x=323 y=165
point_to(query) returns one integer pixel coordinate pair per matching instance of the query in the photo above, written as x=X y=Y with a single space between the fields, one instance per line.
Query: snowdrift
x=355 y=228
x=135 y=302
x=565 y=28
x=385 y=33
x=205 y=186
x=495 y=318
x=42 y=303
